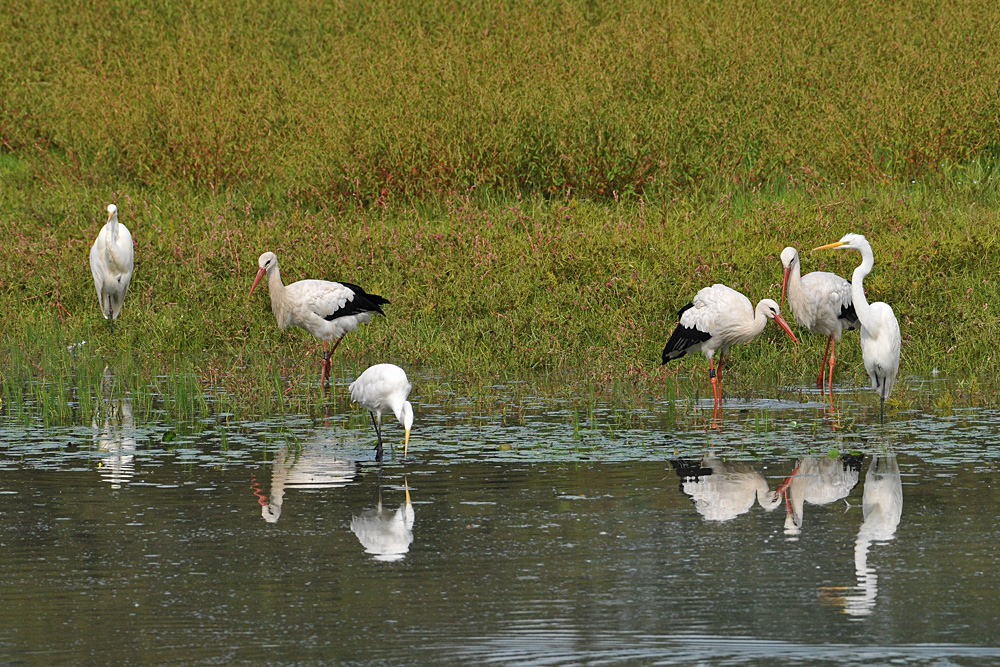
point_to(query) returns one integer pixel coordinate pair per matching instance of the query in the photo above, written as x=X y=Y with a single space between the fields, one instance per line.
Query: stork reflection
x=722 y=491
x=818 y=481
x=114 y=434
x=310 y=467
x=385 y=534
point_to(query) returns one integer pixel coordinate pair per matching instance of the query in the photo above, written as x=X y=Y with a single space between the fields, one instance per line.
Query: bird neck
x=861 y=306
x=757 y=324
x=277 y=292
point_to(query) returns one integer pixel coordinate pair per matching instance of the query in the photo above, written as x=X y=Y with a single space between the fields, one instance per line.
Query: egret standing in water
x=716 y=318
x=111 y=265
x=384 y=388
x=821 y=302
x=325 y=309
x=880 y=337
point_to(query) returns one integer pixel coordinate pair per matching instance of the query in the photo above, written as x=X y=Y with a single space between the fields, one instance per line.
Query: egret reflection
x=722 y=491
x=385 y=534
x=817 y=481
x=882 y=507
x=114 y=434
x=311 y=467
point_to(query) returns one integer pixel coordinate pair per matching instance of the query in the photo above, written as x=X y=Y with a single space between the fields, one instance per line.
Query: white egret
x=384 y=388
x=821 y=303
x=325 y=309
x=880 y=337
x=716 y=318
x=111 y=265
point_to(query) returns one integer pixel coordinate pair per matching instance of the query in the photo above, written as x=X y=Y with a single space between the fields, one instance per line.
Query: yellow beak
x=829 y=246
x=406 y=442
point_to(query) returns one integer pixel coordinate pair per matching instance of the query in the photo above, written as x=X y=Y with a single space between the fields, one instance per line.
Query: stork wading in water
x=325 y=309
x=880 y=337
x=716 y=318
x=384 y=388
x=111 y=265
x=821 y=303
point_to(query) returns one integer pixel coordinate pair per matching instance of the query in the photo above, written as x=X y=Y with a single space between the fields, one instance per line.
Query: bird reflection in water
x=817 y=480
x=722 y=491
x=882 y=508
x=385 y=534
x=306 y=468
x=114 y=434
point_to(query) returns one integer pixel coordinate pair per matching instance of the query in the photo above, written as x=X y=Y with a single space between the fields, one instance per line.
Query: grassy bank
x=584 y=290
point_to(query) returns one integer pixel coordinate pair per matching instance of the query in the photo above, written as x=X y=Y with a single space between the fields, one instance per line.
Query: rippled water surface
x=523 y=531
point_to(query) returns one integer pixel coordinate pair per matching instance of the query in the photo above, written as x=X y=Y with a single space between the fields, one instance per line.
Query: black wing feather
x=683 y=339
x=363 y=302
x=847 y=314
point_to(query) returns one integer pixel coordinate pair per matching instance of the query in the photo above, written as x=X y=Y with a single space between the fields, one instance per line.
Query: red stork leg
x=833 y=346
x=822 y=366
x=326 y=360
x=716 y=391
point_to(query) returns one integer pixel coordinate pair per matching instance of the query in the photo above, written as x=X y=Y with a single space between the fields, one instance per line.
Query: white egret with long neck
x=716 y=318
x=111 y=263
x=880 y=339
x=325 y=309
x=821 y=303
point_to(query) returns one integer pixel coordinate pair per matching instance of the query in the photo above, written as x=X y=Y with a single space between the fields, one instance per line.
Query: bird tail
x=370 y=302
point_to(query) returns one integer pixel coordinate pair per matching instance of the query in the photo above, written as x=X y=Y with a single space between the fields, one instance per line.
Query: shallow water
x=538 y=531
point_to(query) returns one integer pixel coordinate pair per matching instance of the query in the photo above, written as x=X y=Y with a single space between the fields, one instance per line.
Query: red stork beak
x=784 y=325
x=784 y=285
x=256 y=280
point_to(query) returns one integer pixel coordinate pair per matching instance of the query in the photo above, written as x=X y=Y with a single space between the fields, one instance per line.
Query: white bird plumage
x=386 y=535
x=716 y=318
x=111 y=263
x=722 y=491
x=821 y=302
x=327 y=310
x=384 y=388
x=880 y=338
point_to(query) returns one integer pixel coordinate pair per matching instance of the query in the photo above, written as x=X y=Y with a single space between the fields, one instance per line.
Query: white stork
x=880 y=337
x=384 y=388
x=821 y=303
x=111 y=265
x=325 y=309
x=716 y=318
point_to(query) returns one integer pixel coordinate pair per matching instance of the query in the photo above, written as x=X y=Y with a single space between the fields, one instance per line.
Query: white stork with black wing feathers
x=325 y=309
x=821 y=303
x=716 y=318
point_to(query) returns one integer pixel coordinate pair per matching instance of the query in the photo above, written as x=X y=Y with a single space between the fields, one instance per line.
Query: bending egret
x=880 y=337
x=716 y=318
x=325 y=309
x=384 y=388
x=821 y=302
x=111 y=264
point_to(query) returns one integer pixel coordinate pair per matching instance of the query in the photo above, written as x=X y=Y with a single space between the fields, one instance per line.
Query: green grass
x=536 y=189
